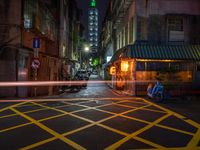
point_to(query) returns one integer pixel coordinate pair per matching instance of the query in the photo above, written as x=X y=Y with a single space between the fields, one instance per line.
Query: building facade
x=93 y=26
x=21 y=22
x=72 y=38
x=154 y=21
x=155 y=28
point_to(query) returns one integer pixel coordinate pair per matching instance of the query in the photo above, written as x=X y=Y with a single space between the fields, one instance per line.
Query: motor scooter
x=156 y=93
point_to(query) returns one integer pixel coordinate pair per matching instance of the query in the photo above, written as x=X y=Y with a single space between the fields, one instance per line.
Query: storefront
x=138 y=65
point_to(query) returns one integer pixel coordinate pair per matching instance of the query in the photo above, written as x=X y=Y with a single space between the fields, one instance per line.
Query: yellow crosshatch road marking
x=120 y=142
x=108 y=128
x=87 y=126
x=141 y=108
x=15 y=105
x=167 y=113
x=126 y=112
x=52 y=132
x=38 y=144
x=31 y=111
x=148 y=142
x=15 y=127
x=195 y=140
x=48 y=118
x=195 y=124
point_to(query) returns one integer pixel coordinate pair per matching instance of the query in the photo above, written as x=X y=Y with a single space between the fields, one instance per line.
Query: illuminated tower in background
x=93 y=26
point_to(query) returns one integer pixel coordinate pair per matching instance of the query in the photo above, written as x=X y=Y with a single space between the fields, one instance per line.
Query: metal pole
x=80 y=59
x=35 y=89
x=36 y=71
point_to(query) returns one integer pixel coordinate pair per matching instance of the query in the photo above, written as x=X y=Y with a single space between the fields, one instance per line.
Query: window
x=175 y=29
x=157 y=66
x=175 y=24
x=175 y=66
x=140 y=66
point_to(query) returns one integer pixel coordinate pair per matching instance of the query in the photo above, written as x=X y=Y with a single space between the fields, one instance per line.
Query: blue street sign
x=36 y=42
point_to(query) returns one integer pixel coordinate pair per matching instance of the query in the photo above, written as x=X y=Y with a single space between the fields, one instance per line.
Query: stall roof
x=159 y=52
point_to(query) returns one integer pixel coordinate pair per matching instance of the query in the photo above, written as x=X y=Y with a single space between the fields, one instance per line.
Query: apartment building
x=149 y=35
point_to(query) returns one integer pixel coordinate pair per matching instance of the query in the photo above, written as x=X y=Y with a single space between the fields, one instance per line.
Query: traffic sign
x=36 y=42
x=35 y=63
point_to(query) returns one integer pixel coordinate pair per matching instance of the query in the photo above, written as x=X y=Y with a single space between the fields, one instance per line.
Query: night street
x=100 y=74
x=96 y=118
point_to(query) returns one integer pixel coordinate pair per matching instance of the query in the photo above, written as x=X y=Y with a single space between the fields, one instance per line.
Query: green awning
x=159 y=52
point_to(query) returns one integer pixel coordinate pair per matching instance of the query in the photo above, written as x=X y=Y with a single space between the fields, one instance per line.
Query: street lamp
x=86 y=49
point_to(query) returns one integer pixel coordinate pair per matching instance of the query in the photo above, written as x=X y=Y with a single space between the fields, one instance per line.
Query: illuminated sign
x=108 y=58
x=124 y=66
x=93 y=3
x=112 y=70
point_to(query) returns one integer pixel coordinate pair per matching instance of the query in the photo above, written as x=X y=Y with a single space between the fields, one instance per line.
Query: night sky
x=84 y=5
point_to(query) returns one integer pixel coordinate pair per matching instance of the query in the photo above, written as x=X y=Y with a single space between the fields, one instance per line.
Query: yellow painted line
x=113 y=130
x=92 y=122
x=115 y=115
x=154 y=110
x=119 y=143
x=36 y=110
x=38 y=144
x=54 y=138
x=95 y=108
x=195 y=140
x=52 y=117
x=147 y=122
x=15 y=127
x=30 y=111
x=182 y=148
x=52 y=132
x=149 y=143
x=127 y=134
x=162 y=126
x=76 y=99
x=165 y=109
x=137 y=102
x=142 y=109
x=5 y=108
x=195 y=124
x=25 y=105
x=25 y=124
x=6 y=116
x=143 y=121
x=191 y=122
x=135 y=119
x=176 y=130
x=98 y=123
x=59 y=110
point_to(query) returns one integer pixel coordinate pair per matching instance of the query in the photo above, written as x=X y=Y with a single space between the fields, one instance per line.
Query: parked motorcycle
x=157 y=92
x=78 y=85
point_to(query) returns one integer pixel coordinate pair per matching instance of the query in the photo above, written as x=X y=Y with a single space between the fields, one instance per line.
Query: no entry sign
x=35 y=63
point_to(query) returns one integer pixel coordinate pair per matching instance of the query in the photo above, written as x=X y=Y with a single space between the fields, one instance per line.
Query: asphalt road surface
x=95 y=118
